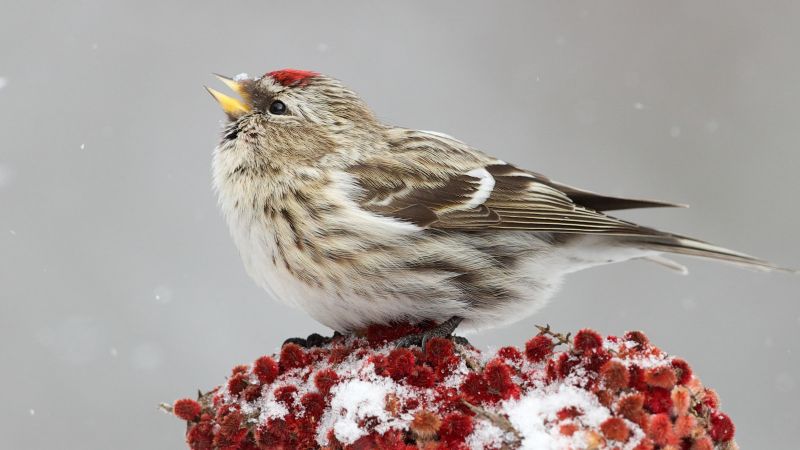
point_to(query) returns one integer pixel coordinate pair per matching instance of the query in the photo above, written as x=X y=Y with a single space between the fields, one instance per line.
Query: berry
x=722 y=429
x=187 y=409
x=587 y=340
x=266 y=369
x=615 y=429
x=538 y=348
x=455 y=427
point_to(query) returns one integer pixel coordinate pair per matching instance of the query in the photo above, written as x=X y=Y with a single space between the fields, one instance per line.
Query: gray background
x=120 y=286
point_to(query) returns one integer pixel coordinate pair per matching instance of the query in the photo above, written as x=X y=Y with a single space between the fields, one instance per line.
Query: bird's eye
x=277 y=107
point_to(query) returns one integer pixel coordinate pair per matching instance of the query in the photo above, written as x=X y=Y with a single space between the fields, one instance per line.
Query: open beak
x=233 y=107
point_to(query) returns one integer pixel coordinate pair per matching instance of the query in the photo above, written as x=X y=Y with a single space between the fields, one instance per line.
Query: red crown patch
x=292 y=77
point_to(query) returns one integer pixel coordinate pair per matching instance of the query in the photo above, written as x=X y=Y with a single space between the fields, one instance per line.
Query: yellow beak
x=234 y=108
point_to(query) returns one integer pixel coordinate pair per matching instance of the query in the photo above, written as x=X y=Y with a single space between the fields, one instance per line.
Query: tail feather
x=668 y=263
x=671 y=243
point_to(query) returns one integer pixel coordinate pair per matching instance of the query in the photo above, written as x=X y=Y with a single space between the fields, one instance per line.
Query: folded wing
x=437 y=182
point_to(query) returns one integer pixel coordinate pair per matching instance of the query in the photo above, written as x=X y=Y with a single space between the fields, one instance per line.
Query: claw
x=313 y=340
x=461 y=340
x=412 y=340
x=316 y=340
x=444 y=330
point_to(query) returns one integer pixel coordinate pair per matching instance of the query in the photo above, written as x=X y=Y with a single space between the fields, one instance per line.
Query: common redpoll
x=358 y=222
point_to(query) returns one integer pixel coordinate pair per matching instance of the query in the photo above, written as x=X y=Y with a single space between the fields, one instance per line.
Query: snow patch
x=354 y=401
x=532 y=413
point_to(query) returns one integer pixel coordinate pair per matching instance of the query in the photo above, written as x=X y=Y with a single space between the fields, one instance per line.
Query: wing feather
x=438 y=182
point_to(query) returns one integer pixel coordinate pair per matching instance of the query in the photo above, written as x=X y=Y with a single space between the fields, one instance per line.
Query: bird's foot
x=460 y=340
x=313 y=340
x=296 y=340
x=443 y=330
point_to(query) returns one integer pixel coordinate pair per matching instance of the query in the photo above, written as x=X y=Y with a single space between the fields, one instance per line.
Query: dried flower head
x=187 y=409
x=455 y=427
x=722 y=429
x=425 y=425
x=350 y=394
x=292 y=357
x=615 y=429
x=266 y=369
x=539 y=348
x=324 y=380
x=587 y=340
x=614 y=375
x=662 y=377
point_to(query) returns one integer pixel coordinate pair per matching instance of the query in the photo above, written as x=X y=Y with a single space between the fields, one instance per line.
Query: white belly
x=366 y=298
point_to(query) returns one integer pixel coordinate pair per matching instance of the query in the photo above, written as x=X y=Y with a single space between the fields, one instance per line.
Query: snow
x=272 y=409
x=361 y=397
x=162 y=294
x=353 y=401
x=457 y=377
x=531 y=414
x=486 y=435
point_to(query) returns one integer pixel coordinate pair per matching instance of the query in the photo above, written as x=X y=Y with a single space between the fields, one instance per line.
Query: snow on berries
x=353 y=393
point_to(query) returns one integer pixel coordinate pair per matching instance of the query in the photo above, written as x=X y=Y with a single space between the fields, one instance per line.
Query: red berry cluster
x=365 y=393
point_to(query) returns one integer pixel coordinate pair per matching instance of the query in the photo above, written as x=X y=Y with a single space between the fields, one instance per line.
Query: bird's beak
x=233 y=107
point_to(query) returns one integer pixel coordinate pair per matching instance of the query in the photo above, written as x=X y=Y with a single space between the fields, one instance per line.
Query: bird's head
x=291 y=117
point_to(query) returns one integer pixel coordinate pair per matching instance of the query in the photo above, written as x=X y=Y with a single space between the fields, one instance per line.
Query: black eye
x=277 y=107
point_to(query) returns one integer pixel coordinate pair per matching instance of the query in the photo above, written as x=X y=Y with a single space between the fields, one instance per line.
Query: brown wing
x=438 y=182
x=600 y=202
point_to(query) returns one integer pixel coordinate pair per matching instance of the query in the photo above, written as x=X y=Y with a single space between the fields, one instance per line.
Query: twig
x=500 y=421
x=166 y=407
x=472 y=364
x=559 y=337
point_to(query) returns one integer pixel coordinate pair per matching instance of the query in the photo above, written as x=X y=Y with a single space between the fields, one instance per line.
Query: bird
x=358 y=222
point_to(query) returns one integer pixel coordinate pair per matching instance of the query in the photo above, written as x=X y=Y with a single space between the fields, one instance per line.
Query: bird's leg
x=444 y=329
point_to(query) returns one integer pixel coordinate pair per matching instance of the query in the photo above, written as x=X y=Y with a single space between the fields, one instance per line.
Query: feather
x=672 y=243
x=438 y=182
x=668 y=263
x=468 y=190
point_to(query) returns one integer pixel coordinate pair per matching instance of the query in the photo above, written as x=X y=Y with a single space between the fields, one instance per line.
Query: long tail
x=672 y=243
